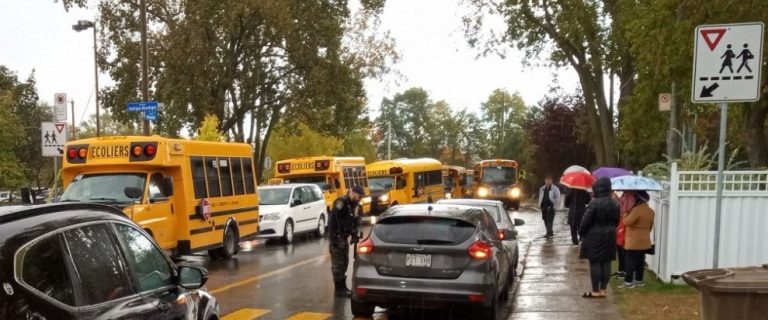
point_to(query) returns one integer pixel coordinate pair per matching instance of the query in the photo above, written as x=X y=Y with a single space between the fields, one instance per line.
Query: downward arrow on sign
x=707 y=92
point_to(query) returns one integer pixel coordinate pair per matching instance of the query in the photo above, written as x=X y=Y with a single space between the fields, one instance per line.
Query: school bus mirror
x=167 y=186
x=133 y=192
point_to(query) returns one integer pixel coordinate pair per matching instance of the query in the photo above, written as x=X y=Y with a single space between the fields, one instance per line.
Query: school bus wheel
x=229 y=244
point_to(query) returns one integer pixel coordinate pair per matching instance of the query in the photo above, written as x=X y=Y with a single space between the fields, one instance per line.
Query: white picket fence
x=685 y=222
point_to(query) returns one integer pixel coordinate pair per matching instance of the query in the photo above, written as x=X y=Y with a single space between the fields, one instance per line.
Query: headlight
x=482 y=192
x=366 y=200
x=515 y=192
x=373 y=219
x=384 y=198
x=448 y=195
x=271 y=217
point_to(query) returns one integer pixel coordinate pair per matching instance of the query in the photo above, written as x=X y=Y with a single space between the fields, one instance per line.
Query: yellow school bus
x=189 y=195
x=454 y=181
x=404 y=181
x=498 y=179
x=334 y=175
x=275 y=181
x=469 y=182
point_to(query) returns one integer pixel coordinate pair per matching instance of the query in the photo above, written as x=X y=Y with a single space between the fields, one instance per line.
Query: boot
x=340 y=289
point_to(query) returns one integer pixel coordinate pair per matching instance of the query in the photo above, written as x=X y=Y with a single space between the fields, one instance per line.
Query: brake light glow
x=365 y=247
x=476 y=298
x=150 y=150
x=480 y=250
x=71 y=153
x=360 y=291
x=501 y=234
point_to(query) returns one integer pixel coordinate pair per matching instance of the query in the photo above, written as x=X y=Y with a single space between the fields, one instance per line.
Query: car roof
x=287 y=185
x=470 y=202
x=34 y=220
x=462 y=212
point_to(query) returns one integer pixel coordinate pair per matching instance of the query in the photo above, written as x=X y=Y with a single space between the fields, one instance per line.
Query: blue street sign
x=142 y=106
x=150 y=115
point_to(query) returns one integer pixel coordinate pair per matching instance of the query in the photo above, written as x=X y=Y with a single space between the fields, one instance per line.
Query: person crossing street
x=342 y=224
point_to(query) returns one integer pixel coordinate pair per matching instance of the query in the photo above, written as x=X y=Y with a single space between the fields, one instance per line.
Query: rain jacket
x=598 y=227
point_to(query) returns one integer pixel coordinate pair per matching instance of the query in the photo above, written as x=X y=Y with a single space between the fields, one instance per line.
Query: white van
x=288 y=209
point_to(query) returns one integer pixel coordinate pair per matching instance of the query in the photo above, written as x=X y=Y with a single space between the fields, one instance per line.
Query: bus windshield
x=103 y=188
x=274 y=196
x=320 y=181
x=499 y=175
x=381 y=183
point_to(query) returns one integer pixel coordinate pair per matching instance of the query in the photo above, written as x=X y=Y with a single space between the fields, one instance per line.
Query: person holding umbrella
x=576 y=201
x=598 y=234
x=549 y=197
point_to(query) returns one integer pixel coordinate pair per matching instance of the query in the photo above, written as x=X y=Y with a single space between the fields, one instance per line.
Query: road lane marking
x=310 y=316
x=245 y=314
x=268 y=274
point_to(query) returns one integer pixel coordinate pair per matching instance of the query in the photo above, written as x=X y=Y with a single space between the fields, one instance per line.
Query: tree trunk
x=757 y=142
x=593 y=119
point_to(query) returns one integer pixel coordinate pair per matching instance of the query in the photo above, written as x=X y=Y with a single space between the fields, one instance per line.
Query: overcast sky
x=37 y=34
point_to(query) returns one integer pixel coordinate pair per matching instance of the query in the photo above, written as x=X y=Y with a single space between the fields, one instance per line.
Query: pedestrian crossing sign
x=727 y=60
x=53 y=138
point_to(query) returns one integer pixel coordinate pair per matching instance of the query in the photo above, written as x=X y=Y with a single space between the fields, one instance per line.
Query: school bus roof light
x=82 y=153
x=150 y=150
x=321 y=165
x=395 y=170
x=284 y=167
x=137 y=151
x=71 y=153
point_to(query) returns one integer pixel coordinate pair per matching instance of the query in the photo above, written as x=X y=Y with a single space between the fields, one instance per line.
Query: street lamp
x=83 y=25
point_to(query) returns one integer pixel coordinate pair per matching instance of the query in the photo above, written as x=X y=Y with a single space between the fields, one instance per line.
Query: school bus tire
x=230 y=243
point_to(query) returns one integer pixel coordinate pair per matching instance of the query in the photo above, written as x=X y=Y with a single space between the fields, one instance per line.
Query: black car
x=88 y=261
x=432 y=255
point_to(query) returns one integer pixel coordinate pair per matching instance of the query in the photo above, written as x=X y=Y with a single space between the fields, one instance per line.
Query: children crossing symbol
x=724 y=58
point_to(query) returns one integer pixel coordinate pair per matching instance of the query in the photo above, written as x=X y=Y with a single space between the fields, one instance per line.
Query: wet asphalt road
x=280 y=281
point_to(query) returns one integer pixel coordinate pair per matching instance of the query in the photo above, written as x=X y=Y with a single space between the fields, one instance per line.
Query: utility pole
x=672 y=146
x=72 y=103
x=144 y=62
x=96 y=80
x=389 y=140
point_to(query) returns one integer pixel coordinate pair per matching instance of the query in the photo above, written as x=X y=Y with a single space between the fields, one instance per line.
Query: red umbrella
x=578 y=180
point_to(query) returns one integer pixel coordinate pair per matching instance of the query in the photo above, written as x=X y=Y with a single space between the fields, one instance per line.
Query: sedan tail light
x=501 y=234
x=480 y=250
x=365 y=247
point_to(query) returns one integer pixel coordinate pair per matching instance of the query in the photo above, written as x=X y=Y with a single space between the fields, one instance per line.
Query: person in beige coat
x=637 y=241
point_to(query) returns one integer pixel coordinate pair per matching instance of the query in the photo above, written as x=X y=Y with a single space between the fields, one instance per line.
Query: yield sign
x=707 y=35
x=60 y=126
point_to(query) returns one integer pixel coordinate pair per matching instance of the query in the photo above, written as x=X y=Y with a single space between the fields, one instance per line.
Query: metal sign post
x=726 y=68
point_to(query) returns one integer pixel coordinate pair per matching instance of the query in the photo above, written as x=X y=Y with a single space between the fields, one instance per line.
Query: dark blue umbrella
x=608 y=172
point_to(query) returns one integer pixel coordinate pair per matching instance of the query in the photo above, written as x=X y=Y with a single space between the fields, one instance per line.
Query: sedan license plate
x=418 y=260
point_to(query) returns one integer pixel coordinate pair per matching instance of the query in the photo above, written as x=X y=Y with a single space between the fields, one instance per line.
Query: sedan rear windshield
x=423 y=230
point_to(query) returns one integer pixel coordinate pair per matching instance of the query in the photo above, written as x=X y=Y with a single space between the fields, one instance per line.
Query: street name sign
x=142 y=106
x=150 y=115
x=53 y=138
x=727 y=61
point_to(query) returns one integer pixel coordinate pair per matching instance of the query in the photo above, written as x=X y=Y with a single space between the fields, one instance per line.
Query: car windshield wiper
x=433 y=241
x=70 y=200
x=113 y=200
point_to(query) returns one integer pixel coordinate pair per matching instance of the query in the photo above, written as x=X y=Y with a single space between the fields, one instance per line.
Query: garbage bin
x=733 y=293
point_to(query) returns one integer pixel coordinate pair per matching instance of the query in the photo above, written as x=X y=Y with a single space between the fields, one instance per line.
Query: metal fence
x=685 y=221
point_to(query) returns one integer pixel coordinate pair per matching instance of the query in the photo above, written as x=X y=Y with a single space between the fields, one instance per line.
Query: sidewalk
x=553 y=277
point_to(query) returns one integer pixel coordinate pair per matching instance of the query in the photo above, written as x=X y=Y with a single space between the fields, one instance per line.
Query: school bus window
x=248 y=168
x=237 y=176
x=155 y=188
x=434 y=178
x=212 y=172
x=354 y=176
x=198 y=177
x=226 y=177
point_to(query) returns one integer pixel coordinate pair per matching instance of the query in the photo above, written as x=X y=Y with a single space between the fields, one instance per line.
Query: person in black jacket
x=598 y=234
x=576 y=201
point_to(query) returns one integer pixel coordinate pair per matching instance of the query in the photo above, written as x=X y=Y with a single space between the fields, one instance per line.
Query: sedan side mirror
x=192 y=277
x=519 y=222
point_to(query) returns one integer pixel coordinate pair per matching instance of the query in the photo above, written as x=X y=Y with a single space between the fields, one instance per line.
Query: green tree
x=209 y=130
x=11 y=171
x=504 y=113
x=584 y=35
x=109 y=127
x=300 y=141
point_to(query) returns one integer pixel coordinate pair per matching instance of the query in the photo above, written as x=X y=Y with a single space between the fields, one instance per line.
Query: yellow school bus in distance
x=454 y=181
x=189 y=195
x=404 y=181
x=469 y=182
x=498 y=180
x=334 y=175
